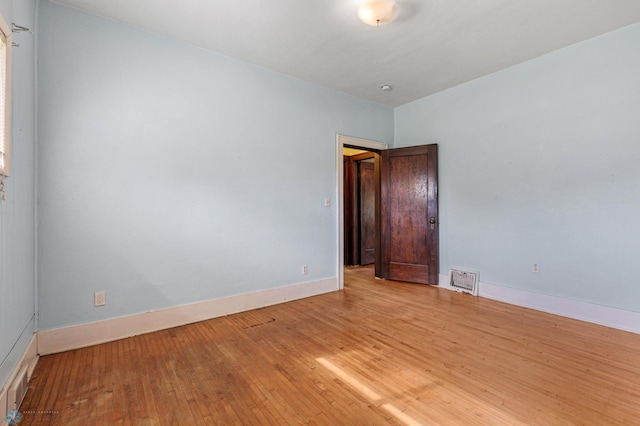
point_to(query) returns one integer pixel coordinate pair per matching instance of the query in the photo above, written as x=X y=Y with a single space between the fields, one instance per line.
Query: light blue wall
x=17 y=276
x=170 y=175
x=541 y=163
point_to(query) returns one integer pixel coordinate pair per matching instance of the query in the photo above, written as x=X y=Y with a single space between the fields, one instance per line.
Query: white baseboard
x=29 y=358
x=74 y=337
x=68 y=338
x=597 y=314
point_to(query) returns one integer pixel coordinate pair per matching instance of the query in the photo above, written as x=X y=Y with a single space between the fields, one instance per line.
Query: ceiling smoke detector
x=386 y=88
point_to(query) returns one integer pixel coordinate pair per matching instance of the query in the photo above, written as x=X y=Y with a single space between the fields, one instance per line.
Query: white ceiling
x=432 y=45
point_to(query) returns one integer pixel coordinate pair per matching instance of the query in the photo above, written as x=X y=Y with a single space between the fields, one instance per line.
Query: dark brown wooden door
x=407 y=237
x=367 y=192
x=351 y=252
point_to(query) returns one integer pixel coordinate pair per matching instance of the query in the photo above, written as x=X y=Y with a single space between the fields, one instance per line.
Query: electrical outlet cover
x=100 y=298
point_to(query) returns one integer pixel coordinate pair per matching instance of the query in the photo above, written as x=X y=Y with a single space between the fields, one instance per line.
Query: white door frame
x=341 y=141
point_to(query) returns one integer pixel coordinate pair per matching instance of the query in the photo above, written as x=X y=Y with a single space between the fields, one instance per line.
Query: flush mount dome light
x=377 y=12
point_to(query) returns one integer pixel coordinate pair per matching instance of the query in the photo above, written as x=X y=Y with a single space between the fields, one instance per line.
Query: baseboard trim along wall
x=597 y=314
x=29 y=359
x=79 y=336
x=74 y=337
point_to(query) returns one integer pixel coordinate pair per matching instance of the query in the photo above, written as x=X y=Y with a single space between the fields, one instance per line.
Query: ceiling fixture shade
x=377 y=12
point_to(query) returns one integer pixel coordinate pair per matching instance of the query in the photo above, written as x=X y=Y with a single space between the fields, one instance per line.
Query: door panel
x=367 y=212
x=351 y=230
x=408 y=230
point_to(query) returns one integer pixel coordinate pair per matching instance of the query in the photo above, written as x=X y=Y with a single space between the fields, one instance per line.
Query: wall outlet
x=305 y=270
x=535 y=268
x=100 y=298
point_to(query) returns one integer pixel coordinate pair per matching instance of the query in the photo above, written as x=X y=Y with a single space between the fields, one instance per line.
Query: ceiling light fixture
x=377 y=12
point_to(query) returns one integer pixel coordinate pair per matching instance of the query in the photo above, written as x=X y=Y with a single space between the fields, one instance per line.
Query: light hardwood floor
x=380 y=352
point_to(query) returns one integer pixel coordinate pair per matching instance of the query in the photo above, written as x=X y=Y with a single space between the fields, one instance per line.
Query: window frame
x=5 y=151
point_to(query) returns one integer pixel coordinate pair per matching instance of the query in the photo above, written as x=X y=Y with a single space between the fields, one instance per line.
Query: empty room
x=319 y=212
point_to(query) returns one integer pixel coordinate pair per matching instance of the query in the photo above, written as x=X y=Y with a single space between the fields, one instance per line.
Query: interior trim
x=341 y=141
x=83 y=335
x=583 y=311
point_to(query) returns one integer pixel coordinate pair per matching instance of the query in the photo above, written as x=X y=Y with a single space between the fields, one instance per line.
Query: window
x=5 y=97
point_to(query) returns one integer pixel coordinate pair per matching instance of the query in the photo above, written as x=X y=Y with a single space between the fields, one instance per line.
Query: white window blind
x=5 y=96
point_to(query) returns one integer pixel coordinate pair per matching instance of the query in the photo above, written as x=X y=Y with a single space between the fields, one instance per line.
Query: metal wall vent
x=18 y=389
x=464 y=281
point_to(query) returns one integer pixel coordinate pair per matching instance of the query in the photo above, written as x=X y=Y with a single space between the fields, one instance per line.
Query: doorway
x=364 y=145
x=359 y=207
x=406 y=211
